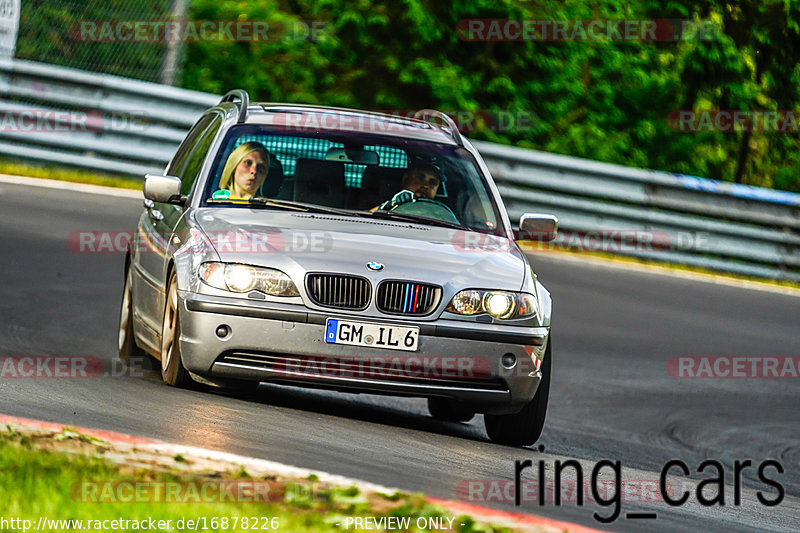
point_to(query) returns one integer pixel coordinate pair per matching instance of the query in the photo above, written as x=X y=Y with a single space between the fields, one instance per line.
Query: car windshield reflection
x=353 y=174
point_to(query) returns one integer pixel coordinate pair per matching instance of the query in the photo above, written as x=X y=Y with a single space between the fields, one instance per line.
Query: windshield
x=370 y=175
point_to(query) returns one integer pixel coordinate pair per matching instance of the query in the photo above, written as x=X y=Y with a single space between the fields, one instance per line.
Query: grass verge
x=63 y=477
x=50 y=172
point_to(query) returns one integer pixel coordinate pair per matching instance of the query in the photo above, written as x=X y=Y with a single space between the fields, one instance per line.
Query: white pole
x=172 y=54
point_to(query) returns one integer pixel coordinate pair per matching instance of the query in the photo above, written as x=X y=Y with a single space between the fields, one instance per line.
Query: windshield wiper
x=418 y=219
x=260 y=201
x=299 y=206
x=242 y=202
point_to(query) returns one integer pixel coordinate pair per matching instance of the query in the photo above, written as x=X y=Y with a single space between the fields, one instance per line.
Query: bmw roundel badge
x=374 y=265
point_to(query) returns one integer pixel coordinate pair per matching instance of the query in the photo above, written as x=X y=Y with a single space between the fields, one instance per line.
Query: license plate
x=374 y=335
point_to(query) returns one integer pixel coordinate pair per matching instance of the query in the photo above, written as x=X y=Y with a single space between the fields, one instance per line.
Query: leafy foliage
x=609 y=100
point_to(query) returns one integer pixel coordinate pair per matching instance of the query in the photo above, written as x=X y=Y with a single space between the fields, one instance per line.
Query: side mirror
x=163 y=189
x=537 y=227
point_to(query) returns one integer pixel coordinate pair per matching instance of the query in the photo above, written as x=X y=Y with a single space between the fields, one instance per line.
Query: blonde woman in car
x=245 y=171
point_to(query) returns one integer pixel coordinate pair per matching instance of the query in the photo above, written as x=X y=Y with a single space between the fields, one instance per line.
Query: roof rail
x=449 y=124
x=244 y=101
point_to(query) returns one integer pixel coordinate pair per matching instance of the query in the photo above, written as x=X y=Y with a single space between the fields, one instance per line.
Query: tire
x=449 y=410
x=126 y=344
x=172 y=370
x=523 y=428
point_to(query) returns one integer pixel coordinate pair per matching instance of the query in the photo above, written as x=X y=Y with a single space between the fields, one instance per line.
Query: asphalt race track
x=612 y=398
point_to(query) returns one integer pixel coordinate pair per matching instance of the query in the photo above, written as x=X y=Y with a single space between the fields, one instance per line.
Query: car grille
x=301 y=368
x=339 y=290
x=407 y=298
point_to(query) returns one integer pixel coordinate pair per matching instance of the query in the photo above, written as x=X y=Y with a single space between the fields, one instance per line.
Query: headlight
x=467 y=303
x=244 y=278
x=504 y=305
x=499 y=304
x=240 y=278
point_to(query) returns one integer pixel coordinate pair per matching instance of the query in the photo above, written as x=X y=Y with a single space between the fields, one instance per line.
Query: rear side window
x=189 y=158
x=179 y=159
x=191 y=170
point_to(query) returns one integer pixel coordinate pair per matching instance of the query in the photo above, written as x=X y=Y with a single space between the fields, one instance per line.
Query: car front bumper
x=285 y=344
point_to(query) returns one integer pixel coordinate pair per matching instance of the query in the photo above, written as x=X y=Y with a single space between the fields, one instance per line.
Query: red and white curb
x=204 y=458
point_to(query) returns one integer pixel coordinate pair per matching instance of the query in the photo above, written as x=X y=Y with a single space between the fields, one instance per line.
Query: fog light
x=509 y=360
x=223 y=331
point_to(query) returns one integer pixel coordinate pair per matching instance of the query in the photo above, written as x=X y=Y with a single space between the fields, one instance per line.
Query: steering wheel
x=427 y=208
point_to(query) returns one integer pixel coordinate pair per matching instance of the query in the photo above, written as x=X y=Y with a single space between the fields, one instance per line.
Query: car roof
x=314 y=118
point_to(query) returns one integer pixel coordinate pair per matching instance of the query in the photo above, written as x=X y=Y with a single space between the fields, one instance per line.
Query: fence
x=49 y=32
x=133 y=127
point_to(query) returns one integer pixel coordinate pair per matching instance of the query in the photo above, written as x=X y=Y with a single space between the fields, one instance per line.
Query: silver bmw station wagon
x=340 y=249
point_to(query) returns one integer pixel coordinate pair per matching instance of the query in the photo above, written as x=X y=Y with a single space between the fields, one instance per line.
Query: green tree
x=605 y=100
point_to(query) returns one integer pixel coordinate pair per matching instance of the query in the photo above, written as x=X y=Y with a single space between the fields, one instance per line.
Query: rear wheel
x=126 y=344
x=524 y=428
x=172 y=370
x=449 y=410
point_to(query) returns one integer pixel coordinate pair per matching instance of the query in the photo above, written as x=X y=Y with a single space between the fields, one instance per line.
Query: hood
x=298 y=242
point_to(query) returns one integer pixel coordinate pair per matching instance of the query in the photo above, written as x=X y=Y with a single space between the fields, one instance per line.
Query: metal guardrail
x=133 y=128
x=669 y=217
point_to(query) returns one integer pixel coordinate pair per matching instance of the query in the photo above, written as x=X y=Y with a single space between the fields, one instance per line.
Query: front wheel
x=524 y=428
x=126 y=344
x=172 y=370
